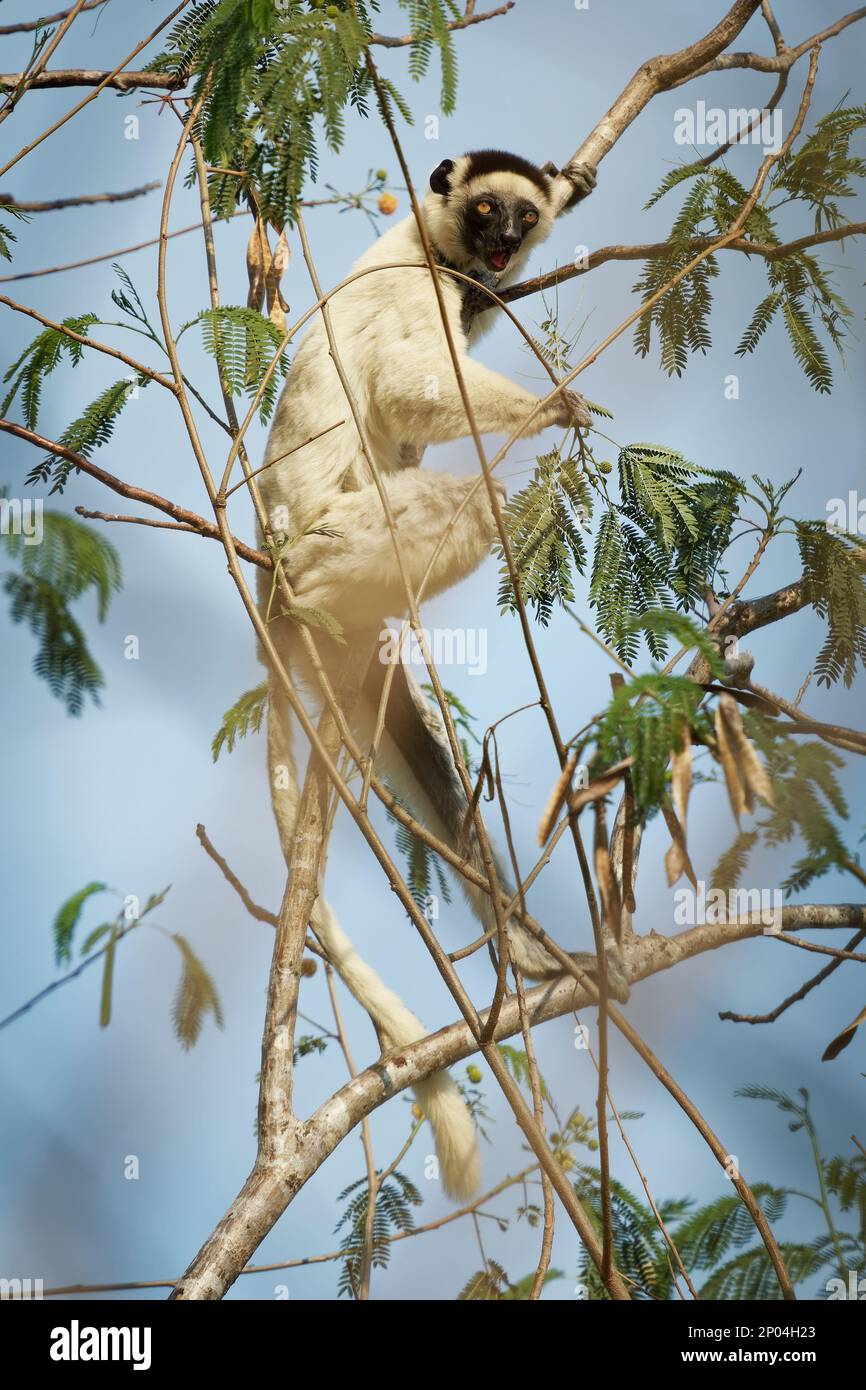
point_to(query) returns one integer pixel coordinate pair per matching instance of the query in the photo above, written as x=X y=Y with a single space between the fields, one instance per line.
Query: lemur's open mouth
x=499 y=259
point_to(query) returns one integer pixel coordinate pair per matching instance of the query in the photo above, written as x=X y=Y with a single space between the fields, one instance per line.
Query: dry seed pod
x=739 y=758
x=842 y=1040
x=728 y=760
x=677 y=861
x=258 y=265
x=608 y=887
x=681 y=775
x=601 y=787
x=276 y=304
x=557 y=798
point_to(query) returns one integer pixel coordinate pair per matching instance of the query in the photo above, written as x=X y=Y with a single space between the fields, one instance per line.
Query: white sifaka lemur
x=484 y=212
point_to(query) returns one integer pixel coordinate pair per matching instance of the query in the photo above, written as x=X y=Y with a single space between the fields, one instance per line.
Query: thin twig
x=261 y=914
x=27 y=26
x=104 y=80
x=135 y=494
x=89 y=342
x=82 y=200
x=798 y=994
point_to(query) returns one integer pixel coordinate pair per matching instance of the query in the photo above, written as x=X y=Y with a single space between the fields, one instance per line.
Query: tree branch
x=469 y=17
x=84 y=199
x=167 y=81
x=784 y=57
x=651 y=249
x=27 y=26
x=805 y=988
x=652 y=77
x=189 y=519
x=119 y=81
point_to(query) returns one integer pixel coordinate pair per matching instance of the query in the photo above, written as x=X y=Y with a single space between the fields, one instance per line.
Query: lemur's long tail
x=452 y=1125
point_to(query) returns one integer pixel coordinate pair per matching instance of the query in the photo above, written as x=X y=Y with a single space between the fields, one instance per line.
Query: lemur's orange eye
x=484 y=208
x=530 y=217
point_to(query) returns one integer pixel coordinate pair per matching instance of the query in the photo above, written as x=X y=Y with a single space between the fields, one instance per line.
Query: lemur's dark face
x=494 y=226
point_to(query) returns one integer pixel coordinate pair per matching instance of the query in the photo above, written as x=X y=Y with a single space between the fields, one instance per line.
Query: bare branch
x=27 y=26
x=135 y=494
x=79 y=106
x=654 y=76
x=120 y=80
x=784 y=59
x=45 y=47
x=126 y=81
x=469 y=17
x=261 y=914
x=83 y=200
x=651 y=249
x=798 y=994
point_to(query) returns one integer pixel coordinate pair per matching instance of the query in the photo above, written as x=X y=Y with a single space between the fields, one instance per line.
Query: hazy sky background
x=116 y=794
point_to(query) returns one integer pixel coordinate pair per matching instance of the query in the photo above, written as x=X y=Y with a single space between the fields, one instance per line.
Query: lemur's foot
x=574 y=411
x=617 y=983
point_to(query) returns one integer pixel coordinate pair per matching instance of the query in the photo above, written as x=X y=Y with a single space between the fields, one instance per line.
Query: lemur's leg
x=353 y=574
x=424 y=402
x=416 y=760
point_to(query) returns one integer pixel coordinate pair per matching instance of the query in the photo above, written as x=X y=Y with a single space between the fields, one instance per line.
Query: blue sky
x=116 y=794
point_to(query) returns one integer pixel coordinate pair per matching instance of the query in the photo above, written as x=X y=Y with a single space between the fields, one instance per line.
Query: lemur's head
x=487 y=209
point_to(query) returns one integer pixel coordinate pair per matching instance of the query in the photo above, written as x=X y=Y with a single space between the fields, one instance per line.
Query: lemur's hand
x=582 y=177
x=572 y=411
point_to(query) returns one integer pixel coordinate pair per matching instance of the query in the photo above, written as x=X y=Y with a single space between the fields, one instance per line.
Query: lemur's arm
x=424 y=402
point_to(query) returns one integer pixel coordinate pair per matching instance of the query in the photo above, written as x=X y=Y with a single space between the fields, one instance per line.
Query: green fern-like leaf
x=67 y=919
x=245 y=717
x=275 y=78
x=660 y=547
x=395 y=1200
x=243 y=344
x=817 y=175
x=38 y=360
x=488 y=1285
x=423 y=868
x=196 y=997
x=6 y=234
x=645 y=720
x=545 y=523
x=73 y=559
x=731 y=865
x=834 y=571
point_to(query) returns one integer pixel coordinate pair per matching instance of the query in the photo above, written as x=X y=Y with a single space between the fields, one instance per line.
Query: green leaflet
x=72 y=560
x=67 y=919
x=279 y=78
x=196 y=996
x=245 y=717
x=834 y=571
x=395 y=1200
x=818 y=176
x=243 y=344
x=546 y=522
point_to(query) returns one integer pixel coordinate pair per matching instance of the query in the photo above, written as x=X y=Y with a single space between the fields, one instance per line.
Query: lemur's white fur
x=389 y=334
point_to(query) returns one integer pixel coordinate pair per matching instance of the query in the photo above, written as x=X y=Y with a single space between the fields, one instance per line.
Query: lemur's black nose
x=511 y=235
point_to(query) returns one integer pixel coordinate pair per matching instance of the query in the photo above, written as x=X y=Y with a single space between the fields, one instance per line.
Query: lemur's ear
x=550 y=169
x=439 y=179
